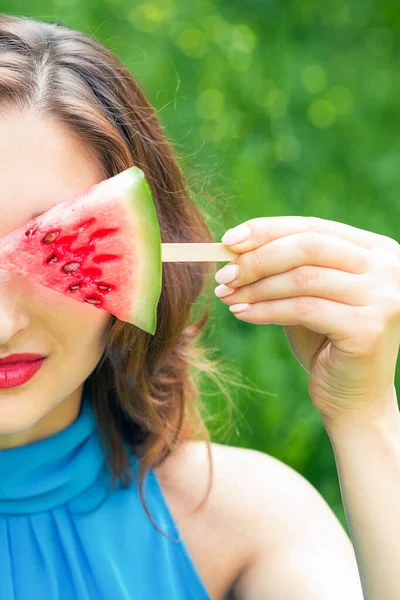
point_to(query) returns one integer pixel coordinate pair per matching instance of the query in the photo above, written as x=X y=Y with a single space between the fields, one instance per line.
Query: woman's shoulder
x=248 y=501
x=244 y=480
x=264 y=525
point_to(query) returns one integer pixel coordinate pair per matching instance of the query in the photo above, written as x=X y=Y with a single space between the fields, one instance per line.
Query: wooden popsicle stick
x=186 y=252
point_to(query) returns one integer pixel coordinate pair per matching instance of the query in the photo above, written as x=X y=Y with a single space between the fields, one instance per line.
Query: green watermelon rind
x=147 y=238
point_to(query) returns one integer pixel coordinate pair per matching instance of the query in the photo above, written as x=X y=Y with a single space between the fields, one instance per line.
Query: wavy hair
x=143 y=390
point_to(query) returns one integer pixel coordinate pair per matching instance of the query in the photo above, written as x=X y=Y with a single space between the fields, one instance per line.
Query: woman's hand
x=336 y=291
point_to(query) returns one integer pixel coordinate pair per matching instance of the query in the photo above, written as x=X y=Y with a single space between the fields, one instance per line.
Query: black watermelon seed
x=103 y=288
x=92 y=300
x=52 y=259
x=31 y=230
x=50 y=237
x=74 y=286
x=70 y=267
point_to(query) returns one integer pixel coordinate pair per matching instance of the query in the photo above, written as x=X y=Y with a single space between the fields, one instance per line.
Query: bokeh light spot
x=275 y=103
x=149 y=17
x=314 y=79
x=287 y=148
x=192 y=42
x=321 y=113
x=210 y=103
x=341 y=97
x=243 y=38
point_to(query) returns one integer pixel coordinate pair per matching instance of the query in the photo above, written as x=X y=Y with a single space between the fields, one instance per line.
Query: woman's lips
x=15 y=374
x=21 y=357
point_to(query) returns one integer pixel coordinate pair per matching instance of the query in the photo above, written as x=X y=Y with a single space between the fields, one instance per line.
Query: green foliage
x=281 y=108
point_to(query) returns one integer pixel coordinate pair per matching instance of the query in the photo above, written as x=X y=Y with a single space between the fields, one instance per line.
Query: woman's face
x=41 y=165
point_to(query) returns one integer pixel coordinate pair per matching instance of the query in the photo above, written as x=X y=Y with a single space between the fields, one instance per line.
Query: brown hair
x=142 y=390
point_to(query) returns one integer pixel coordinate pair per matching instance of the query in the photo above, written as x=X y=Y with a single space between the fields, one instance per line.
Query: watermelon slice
x=102 y=247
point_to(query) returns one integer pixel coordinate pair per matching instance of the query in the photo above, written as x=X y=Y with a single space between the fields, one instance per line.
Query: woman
x=101 y=468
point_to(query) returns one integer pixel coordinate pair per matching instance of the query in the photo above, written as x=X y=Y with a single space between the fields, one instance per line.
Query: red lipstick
x=14 y=358
x=17 y=369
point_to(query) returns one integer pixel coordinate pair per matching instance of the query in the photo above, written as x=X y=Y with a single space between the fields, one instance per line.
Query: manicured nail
x=236 y=235
x=227 y=274
x=222 y=290
x=235 y=308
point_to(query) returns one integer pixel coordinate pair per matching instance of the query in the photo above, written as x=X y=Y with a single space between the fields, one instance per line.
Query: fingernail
x=222 y=290
x=227 y=274
x=236 y=235
x=236 y=308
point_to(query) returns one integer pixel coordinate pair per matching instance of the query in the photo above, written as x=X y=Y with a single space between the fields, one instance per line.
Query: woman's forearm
x=368 y=463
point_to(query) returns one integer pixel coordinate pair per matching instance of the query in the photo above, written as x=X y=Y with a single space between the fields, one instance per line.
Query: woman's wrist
x=367 y=455
x=384 y=424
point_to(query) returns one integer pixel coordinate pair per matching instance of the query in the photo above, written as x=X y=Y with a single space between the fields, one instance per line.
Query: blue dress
x=65 y=536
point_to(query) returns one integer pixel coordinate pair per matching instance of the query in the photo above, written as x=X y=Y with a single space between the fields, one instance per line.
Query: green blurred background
x=279 y=108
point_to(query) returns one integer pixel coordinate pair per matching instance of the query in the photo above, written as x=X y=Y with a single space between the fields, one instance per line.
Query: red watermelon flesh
x=102 y=247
